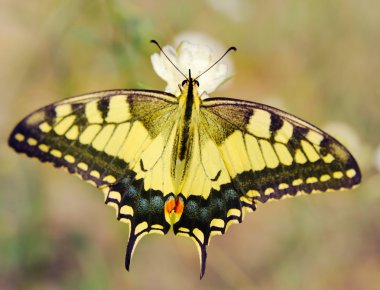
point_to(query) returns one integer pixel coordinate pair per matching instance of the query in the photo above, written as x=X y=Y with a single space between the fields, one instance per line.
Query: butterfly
x=198 y=166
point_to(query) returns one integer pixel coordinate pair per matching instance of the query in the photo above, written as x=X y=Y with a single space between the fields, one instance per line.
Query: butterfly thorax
x=189 y=103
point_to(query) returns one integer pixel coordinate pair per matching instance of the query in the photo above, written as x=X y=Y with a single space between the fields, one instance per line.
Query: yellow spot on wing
x=69 y=158
x=196 y=181
x=211 y=160
x=116 y=195
x=235 y=155
x=269 y=191
x=219 y=223
x=309 y=150
x=328 y=158
x=182 y=229
x=246 y=199
x=32 y=141
x=350 y=173
x=56 y=153
x=134 y=143
x=161 y=178
x=141 y=227
x=73 y=133
x=182 y=234
x=270 y=156
x=118 y=110
x=254 y=152
x=89 y=134
x=103 y=136
x=63 y=110
x=19 y=137
x=64 y=124
x=297 y=182
x=95 y=173
x=109 y=179
x=338 y=174
x=300 y=157
x=150 y=156
x=126 y=209
x=83 y=166
x=234 y=212
x=283 y=154
x=44 y=148
x=253 y=193
x=259 y=123
x=92 y=113
x=157 y=226
x=118 y=137
x=283 y=186
x=156 y=231
x=311 y=180
x=325 y=177
x=45 y=127
x=199 y=234
x=314 y=137
x=284 y=133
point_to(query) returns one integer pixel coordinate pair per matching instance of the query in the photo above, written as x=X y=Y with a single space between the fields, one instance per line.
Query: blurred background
x=318 y=60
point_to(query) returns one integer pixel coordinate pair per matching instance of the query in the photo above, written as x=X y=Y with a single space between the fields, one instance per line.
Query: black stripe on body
x=185 y=128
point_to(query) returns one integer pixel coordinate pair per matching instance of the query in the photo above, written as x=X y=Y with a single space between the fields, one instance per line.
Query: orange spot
x=179 y=206
x=170 y=205
x=174 y=204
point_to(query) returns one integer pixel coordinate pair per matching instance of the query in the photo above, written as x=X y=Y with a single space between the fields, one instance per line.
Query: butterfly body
x=178 y=161
x=189 y=103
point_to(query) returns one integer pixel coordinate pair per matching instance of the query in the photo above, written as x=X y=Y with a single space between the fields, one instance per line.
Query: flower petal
x=196 y=57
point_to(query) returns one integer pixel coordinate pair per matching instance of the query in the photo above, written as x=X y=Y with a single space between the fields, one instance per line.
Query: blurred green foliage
x=317 y=59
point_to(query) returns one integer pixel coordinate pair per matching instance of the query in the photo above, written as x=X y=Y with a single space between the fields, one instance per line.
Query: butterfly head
x=190 y=81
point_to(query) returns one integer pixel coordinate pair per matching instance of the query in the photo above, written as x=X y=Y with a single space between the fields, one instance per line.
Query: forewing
x=114 y=140
x=271 y=154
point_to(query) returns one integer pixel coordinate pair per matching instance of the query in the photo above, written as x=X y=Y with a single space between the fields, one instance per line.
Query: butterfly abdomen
x=185 y=126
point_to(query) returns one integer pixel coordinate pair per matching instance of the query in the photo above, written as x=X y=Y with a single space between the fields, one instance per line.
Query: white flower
x=193 y=54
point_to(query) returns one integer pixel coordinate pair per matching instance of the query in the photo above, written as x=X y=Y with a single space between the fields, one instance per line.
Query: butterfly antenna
x=160 y=48
x=220 y=58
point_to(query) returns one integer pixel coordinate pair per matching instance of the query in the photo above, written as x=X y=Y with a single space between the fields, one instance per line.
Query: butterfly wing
x=117 y=141
x=280 y=155
x=245 y=153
